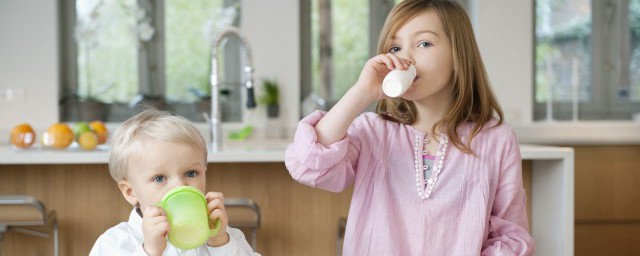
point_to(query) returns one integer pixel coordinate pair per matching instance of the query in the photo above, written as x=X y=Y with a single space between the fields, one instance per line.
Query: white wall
x=29 y=61
x=273 y=30
x=505 y=37
x=29 y=57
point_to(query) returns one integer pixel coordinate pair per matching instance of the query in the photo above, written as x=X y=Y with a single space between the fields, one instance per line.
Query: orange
x=58 y=136
x=88 y=140
x=23 y=136
x=101 y=131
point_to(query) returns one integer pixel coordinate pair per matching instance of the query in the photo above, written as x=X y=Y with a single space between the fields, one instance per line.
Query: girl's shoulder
x=375 y=124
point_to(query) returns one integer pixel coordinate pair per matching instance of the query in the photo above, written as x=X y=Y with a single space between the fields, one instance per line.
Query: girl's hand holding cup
x=374 y=72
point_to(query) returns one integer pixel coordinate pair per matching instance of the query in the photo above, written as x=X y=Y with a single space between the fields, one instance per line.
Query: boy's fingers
x=152 y=211
x=213 y=195
x=215 y=203
x=164 y=227
x=158 y=219
x=216 y=214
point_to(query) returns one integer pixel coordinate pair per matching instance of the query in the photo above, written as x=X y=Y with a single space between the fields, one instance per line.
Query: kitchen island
x=296 y=219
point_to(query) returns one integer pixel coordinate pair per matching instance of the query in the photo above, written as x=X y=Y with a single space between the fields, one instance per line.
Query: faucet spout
x=215 y=122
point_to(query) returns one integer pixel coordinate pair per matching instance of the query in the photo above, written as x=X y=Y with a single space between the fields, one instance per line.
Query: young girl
x=434 y=172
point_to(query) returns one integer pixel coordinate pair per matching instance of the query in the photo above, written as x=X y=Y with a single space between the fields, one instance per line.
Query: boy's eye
x=425 y=44
x=159 y=178
x=394 y=49
x=192 y=174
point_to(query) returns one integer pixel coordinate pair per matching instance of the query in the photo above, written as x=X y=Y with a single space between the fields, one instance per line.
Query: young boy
x=151 y=153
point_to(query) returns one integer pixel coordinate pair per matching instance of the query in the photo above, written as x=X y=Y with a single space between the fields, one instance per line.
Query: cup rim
x=178 y=189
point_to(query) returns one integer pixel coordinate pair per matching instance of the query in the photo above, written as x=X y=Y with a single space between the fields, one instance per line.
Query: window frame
x=378 y=7
x=605 y=85
x=151 y=65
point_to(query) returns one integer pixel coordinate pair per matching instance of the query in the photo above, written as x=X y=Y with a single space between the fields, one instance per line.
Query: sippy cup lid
x=179 y=189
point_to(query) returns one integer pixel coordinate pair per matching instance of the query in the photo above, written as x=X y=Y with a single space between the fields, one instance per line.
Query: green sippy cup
x=186 y=209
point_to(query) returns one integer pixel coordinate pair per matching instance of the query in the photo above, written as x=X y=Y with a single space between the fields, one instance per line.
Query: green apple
x=80 y=127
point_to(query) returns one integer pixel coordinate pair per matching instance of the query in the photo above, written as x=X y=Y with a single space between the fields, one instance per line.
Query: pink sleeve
x=331 y=167
x=508 y=224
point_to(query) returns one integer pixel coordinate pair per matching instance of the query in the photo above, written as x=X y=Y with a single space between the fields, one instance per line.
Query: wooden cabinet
x=607 y=200
x=297 y=220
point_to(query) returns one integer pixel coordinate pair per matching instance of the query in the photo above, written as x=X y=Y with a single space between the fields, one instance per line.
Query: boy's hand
x=154 y=229
x=215 y=208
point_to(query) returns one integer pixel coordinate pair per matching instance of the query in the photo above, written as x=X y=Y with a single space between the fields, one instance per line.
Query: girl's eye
x=425 y=44
x=159 y=179
x=394 y=49
x=192 y=174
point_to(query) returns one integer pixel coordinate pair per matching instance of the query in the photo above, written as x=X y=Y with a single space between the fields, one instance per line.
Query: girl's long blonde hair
x=473 y=100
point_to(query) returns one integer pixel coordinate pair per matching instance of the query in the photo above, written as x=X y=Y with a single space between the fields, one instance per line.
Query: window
x=338 y=37
x=587 y=57
x=343 y=48
x=120 y=52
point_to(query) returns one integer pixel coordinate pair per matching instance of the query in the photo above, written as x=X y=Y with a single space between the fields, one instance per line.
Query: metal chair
x=244 y=214
x=19 y=212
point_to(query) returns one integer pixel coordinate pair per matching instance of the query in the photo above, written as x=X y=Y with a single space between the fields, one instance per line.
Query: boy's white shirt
x=126 y=239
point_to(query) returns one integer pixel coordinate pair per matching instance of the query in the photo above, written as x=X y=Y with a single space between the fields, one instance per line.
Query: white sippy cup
x=398 y=81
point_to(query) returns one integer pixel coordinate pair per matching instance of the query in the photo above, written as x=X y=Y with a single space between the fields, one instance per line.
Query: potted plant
x=271 y=97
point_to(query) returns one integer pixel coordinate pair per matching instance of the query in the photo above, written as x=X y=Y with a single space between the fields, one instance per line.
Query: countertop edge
x=9 y=156
x=579 y=133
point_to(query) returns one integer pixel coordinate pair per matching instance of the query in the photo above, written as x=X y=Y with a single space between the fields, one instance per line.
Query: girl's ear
x=127 y=192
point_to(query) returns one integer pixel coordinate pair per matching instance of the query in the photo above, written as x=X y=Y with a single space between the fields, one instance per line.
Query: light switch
x=12 y=94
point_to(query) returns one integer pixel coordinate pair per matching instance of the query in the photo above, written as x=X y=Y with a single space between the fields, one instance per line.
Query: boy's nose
x=179 y=182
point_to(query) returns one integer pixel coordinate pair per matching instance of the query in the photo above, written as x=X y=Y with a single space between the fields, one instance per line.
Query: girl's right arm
x=322 y=154
x=333 y=126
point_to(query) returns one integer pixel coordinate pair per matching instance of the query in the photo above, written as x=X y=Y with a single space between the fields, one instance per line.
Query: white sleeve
x=237 y=245
x=117 y=243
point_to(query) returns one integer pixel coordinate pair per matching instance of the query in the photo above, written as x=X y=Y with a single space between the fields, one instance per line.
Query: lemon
x=88 y=140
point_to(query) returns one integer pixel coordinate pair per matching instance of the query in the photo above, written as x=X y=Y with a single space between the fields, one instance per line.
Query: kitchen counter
x=551 y=179
x=579 y=133
x=235 y=152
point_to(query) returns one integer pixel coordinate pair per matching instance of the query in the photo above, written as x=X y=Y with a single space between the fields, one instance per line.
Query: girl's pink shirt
x=477 y=207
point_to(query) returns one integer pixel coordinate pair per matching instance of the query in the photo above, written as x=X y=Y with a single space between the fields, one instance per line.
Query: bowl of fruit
x=60 y=136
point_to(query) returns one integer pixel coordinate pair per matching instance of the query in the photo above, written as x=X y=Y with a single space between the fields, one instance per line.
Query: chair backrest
x=21 y=210
x=242 y=213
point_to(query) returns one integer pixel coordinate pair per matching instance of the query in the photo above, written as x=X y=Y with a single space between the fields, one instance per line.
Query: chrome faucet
x=215 y=122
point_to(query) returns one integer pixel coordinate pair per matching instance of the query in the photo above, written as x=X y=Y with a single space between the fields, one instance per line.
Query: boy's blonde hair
x=154 y=124
x=473 y=100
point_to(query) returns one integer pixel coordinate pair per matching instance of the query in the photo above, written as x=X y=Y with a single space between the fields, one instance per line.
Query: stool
x=243 y=213
x=18 y=212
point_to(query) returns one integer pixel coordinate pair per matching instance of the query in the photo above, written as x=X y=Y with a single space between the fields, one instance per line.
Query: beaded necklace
x=425 y=191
